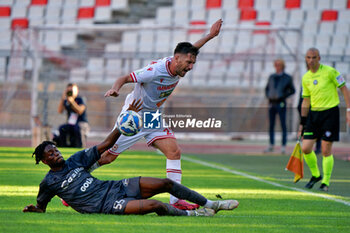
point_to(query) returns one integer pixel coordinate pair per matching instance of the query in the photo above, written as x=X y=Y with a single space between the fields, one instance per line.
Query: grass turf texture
x=263 y=207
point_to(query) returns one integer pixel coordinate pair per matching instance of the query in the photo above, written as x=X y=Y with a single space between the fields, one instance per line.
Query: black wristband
x=303 y=120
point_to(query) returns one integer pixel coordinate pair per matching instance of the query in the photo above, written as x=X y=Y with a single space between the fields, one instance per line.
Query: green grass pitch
x=264 y=206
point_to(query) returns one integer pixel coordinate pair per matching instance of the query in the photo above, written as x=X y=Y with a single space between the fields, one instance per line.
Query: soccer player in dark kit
x=71 y=180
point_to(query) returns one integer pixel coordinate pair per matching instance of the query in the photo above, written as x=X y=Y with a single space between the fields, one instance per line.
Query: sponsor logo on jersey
x=70 y=179
x=328 y=134
x=86 y=184
x=168 y=87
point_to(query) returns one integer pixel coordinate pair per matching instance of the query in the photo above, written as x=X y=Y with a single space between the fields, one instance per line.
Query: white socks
x=173 y=172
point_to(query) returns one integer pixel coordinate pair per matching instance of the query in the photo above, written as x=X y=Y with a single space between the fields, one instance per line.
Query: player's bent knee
x=174 y=155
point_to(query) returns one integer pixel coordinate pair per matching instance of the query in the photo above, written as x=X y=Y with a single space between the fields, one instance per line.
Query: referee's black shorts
x=323 y=124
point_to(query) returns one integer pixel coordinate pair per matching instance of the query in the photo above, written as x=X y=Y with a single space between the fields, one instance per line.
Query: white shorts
x=125 y=142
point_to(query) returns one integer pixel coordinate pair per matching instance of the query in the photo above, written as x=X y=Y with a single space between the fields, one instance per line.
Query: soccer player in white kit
x=154 y=84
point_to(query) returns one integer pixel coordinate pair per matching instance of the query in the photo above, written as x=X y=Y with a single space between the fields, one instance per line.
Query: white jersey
x=154 y=84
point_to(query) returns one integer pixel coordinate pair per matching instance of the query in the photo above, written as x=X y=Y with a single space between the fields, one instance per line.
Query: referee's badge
x=315 y=82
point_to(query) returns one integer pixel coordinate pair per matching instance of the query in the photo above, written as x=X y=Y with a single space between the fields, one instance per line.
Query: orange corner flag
x=295 y=163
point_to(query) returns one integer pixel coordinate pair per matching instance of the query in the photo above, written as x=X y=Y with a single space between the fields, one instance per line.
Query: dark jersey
x=75 y=185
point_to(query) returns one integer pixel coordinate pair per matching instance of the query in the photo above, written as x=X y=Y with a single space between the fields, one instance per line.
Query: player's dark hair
x=185 y=48
x=39 y=150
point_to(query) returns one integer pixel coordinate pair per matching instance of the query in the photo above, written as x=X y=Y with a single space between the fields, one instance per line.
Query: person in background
x=278 y=88
x=74 y=132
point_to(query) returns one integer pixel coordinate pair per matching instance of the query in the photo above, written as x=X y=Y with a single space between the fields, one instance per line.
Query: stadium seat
x=78 y=75
x=69 y=14
x=343 y=67
x=229 y=4
x=18 y=11
x=262 y=5
x=280 y=17
x=7 y=2
x=243 y=4
x=198 y=4
x=344 y=16
x=164 y=16
x=87 y=3
x=68 y=38
x=181 y=17
x=162 y=44
x=308 y=41
x=197 y=15
x=119 y=4
x=339 y=4
x=19 y=23
x=329 y=15
x=341 y=28
x=36 y=11
x=296 y=17
x=312 y=15
x=5 y=39
x=147 y=41
x=95 y=70
x=5 y=11
x=264 y=15
x=231 y=16
x=277 y=4
x=52 y=14
x=308 y=4
x=348 y=5
x=86 y=12
x=102 y=13
x=23 y=3
x=292 y=4
x=323 y=4
x=227 y=43
x=181 y=4
x=248 y=14
x=102 y=3
x=39 y=2
x=213 y=4
x=129 y=41
x=326 y=27
x=5 y=22
x=214 y=14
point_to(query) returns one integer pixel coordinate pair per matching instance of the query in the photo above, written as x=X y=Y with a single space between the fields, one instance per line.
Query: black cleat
x=324 y=187
x=313 y=181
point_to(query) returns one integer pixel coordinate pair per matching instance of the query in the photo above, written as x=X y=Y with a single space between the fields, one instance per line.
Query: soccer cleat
x=225 y=205
x=64 y=203
x=204 y=212
x=184 y=205
x=324 y=187
x=313 y=181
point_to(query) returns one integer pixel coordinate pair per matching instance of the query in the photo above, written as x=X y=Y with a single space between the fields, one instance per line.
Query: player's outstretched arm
x=115 y=134
x=114 y=91
x=214 y=31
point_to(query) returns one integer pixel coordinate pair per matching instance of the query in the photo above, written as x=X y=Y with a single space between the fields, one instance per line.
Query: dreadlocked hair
x=39 y=150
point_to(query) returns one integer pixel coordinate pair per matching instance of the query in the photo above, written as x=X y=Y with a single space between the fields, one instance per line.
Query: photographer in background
x=74 y=132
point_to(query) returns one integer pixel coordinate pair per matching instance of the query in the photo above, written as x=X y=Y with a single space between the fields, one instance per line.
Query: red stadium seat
x=103 y=3
x=291 y=4
x=39 y=2
x=242 y=4
x=348 y=5
x=329 y=15
x=19 y=23
x=213 y=4
x=5 y=11
x=248 y=14
x=262 y=23
x=86 y=12
x=197 y=23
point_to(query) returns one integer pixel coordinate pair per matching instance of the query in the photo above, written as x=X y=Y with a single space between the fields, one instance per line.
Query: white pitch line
x=264 y=181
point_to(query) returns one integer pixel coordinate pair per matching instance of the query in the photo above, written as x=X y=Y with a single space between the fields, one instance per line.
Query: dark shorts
x=323 y=125
x=130 y=190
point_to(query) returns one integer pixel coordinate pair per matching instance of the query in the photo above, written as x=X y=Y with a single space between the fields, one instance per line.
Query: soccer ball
x=129 y=123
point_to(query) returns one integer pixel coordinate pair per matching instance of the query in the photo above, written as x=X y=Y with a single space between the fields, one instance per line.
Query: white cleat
x=225 y=205
x=204 y=212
